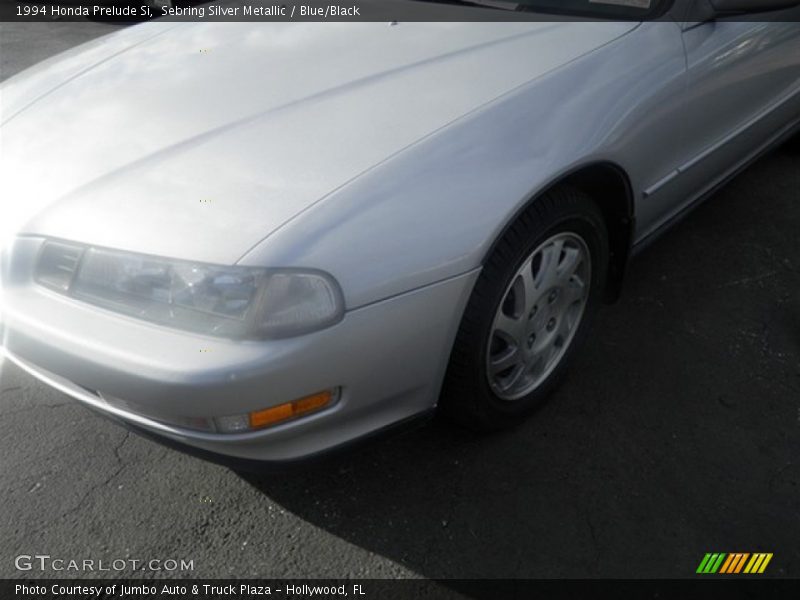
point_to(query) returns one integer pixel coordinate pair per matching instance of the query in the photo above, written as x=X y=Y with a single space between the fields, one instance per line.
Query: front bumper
x=387 y=358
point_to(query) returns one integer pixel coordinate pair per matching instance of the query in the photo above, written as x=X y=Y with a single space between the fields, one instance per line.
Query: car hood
x=197 y=140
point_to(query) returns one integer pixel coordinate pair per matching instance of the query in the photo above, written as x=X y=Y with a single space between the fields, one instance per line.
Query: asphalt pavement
x=677 y=433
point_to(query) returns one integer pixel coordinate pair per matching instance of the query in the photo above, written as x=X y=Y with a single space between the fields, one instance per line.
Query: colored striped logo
x=734 y=563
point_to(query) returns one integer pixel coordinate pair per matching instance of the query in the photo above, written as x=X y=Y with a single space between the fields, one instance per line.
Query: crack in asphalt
x=79 y=504
x=747 y=280
x=595 y=543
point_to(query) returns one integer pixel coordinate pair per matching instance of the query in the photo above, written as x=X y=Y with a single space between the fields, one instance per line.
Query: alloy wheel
x=538 y=315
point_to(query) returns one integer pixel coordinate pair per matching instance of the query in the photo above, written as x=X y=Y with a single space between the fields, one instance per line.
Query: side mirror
x=711 y=9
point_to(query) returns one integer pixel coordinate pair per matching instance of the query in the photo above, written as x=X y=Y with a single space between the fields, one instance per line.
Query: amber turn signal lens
x=283 y=412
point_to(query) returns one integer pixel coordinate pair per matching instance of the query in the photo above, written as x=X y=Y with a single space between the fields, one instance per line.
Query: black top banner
x=394 y=10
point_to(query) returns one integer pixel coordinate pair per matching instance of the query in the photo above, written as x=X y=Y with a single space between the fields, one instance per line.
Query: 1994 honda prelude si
x=263 y=241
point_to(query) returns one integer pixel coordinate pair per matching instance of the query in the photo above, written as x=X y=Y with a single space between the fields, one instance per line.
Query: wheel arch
x=609 y=186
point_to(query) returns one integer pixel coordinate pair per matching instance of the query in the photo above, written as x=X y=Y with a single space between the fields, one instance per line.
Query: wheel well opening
x=609 y=187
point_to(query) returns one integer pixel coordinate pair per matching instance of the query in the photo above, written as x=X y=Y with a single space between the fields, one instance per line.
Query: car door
x=743 y=89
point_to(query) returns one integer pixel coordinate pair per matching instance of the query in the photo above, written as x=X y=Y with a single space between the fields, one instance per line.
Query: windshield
x=604 y=9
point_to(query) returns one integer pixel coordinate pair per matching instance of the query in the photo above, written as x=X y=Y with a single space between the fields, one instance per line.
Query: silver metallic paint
x=391 y=158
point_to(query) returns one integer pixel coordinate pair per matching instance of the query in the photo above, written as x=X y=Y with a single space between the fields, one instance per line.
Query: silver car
x=263 y=241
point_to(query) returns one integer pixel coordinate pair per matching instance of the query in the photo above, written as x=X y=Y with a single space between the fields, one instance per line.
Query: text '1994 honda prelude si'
x=310 y=232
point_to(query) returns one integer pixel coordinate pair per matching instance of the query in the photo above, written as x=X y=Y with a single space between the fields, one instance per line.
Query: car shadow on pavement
x=674 y=434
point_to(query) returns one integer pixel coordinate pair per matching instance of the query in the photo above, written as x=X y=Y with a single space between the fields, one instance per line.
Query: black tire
x=467 y=396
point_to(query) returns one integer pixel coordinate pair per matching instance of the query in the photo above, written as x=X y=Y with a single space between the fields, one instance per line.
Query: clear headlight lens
x=237 y=302
x=297 y=302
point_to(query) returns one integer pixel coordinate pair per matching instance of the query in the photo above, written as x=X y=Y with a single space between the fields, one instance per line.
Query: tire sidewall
x=586 y=222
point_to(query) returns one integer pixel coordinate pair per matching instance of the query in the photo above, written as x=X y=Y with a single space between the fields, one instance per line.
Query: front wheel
x=531 y=307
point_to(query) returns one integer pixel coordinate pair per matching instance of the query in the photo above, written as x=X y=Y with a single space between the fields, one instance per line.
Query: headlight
x=296 y=302
x=235 y=302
